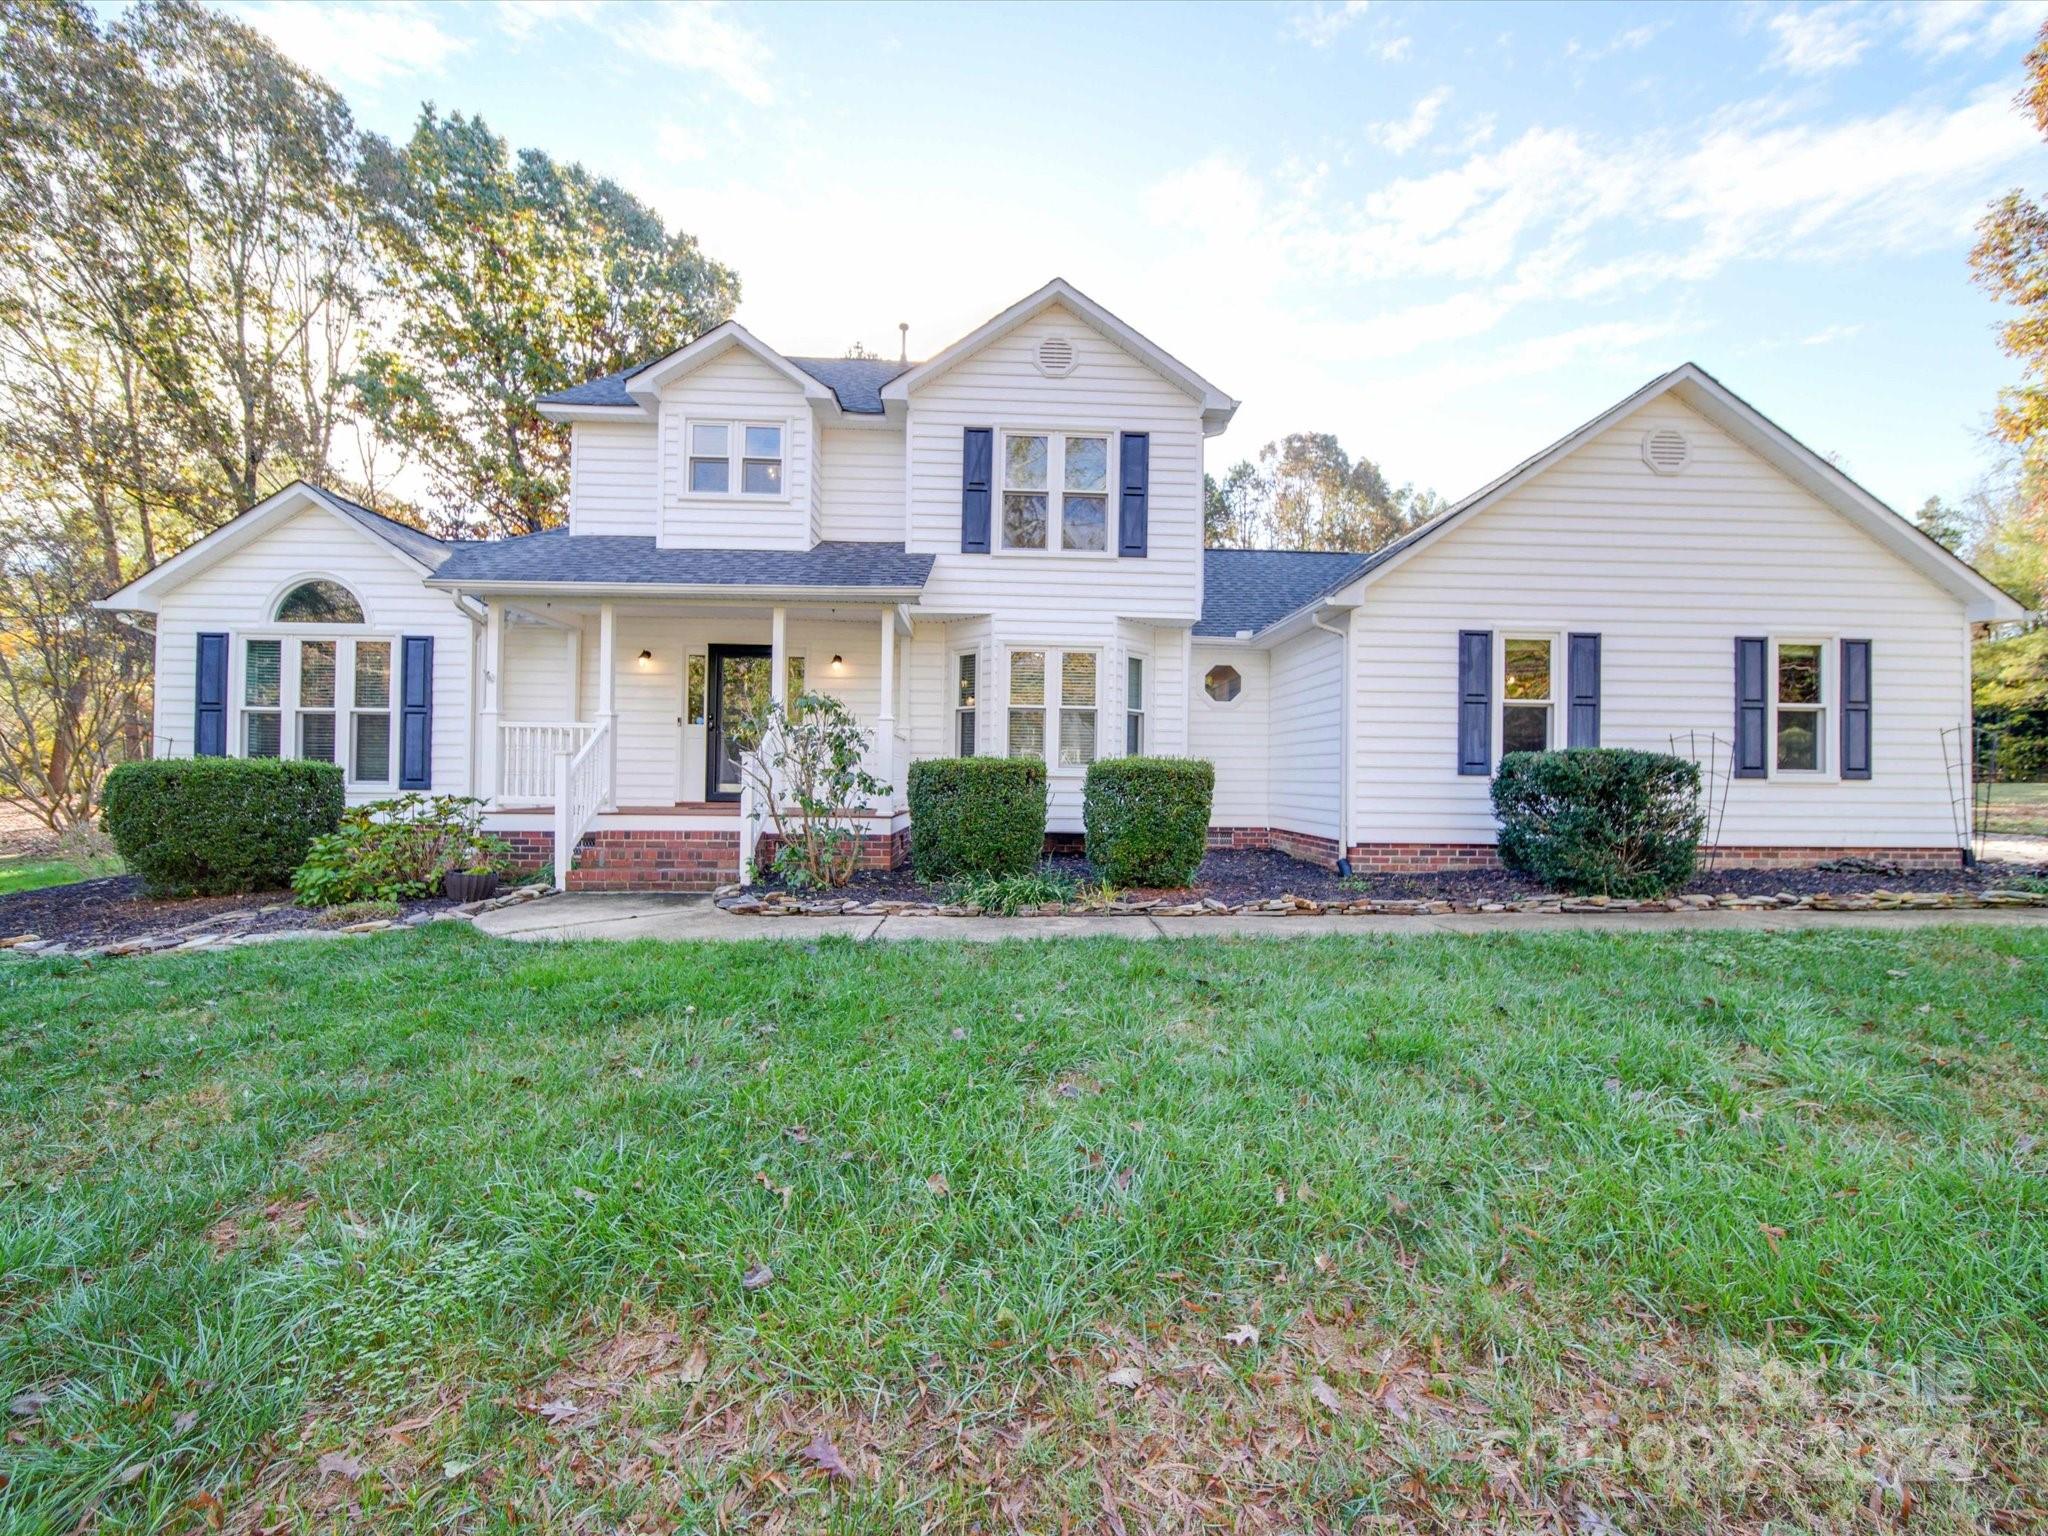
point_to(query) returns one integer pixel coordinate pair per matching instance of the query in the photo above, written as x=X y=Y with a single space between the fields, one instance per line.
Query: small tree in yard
x=804 y=762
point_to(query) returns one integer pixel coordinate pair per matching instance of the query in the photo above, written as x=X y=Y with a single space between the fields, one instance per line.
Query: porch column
x=778 y=649
x=885 y=719
x=607 y=684
x=487 y=717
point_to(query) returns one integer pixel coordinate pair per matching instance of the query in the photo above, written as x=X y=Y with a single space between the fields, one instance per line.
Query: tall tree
x=1233 y=507
x=2010 y=262
x=513 y=278
x=1942 y=523
x=1319 y=497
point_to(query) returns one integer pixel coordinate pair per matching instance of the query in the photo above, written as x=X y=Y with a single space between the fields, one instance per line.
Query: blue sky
x=1446 y=233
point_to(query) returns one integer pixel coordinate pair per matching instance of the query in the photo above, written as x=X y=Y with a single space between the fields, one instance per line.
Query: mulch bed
x=1250 y=875
x=92 y=913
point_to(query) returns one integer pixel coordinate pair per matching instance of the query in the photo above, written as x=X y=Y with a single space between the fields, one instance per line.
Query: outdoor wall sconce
x=646 y=660
x=838 y=663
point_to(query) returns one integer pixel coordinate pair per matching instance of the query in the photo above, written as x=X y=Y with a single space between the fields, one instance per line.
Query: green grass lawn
x=426 y=1232
x=2017 y=808
x=21 y=873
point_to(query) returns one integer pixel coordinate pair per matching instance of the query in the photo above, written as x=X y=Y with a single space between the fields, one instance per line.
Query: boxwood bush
x=1148 y=818
x=976 y=816
x=211 y=826
x=1599 y=821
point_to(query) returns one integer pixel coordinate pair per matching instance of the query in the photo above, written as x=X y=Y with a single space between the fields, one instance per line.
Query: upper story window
x=737 y=457
x=319 y=602
x=1056 y=490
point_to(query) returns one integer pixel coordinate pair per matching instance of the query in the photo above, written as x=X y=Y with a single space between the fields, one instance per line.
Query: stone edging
x=741 y=902
x=187 y=941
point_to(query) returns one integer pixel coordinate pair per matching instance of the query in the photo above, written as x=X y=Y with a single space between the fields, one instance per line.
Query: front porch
x=604 y=741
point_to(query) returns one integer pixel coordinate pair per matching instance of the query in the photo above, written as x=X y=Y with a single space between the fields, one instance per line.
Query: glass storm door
x=739 y=688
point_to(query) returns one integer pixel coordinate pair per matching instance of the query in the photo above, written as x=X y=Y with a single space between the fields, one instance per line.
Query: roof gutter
x=749 y=593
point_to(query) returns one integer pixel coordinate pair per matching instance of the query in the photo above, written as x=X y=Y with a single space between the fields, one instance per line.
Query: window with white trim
x=743 y=458
x=316 y=700
x=1055 y=491
x=370 y=713
x=966 y=677
x=1134 y=706
x=324 y=698
x=1528 y=708
x=1799 y=702
x=263 y=698
x=1057 y=687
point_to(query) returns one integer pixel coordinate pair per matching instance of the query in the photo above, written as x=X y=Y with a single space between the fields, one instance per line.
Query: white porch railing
x=581 y=782
x=527 y=750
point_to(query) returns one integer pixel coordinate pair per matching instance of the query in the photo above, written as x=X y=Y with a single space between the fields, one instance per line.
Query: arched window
x=319 y=602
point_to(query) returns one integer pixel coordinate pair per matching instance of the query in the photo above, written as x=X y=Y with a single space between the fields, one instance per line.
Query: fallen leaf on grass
x=1325 y=1394
x=184 y=1422
x=937 y=1184
x=782 y=1191
x=558 y=1410
x=1771 y=1234
x=29 y=1404
x=335 y=1464
x=824 y=1455
x=1244 y=1335
x=757 y=1277
x=1125 y=1376
x=130 y=1473
x=797 y=1134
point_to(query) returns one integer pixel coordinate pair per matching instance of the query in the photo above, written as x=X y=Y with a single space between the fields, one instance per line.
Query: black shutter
x=977 y=465
x=416 y=713
x=1752 y=666
x=1582 y=724
x=1475 y=701
x=1136 y=457
x=1855 y=709
x=210 y=698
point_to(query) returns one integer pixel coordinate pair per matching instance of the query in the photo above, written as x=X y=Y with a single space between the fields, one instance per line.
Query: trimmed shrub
x=212 y=826
x=1599 y=821
x=976 y=816
x=1148 y=818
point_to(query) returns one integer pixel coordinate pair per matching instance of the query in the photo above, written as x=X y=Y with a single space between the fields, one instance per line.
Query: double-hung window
x=1799 y=694
x=1528 y=708
x=736 y=457
x=326 y=698
x=1055 y=489
x=1134 y=706
x=316 y=700
x=370 y=718
x=966 y=666
x=1058 y=686
x=263 y=699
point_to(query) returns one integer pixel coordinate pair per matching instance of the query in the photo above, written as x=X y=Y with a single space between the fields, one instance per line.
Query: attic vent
x=1666 y=450
x=1056 y=357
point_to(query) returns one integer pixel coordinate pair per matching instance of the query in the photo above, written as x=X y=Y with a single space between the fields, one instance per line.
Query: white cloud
x=363 y=44
x=1970 y=25
x=521 y=19
x=1827 y=37
x=705 y=37
x=1320 y=25
x=1626 y=41
x=1400 y=137
x=1830 y=334
x=675 y=143
x=1395 y=49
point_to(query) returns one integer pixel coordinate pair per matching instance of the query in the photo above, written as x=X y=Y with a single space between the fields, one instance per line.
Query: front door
x=738 y=688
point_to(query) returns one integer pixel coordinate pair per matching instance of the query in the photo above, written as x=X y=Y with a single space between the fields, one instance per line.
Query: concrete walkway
x=695 y=918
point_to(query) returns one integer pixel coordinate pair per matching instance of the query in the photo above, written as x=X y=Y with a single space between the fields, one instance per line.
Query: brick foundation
x=878 y=850
x=1438 y=858
x=631 y=859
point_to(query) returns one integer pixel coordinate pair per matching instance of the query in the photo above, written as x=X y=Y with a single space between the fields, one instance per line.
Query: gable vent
x=1666 y=450
x=1056 y=357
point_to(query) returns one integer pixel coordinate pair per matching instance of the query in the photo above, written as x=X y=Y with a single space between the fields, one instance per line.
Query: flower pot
x=459 y=885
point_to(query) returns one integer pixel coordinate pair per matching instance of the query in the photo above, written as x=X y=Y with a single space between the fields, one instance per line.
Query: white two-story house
x=999 y=550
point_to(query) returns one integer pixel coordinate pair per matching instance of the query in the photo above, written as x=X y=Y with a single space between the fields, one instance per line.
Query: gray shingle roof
x=856 y=382
x=1254 y=589
x=423 y=547
x=618 y=561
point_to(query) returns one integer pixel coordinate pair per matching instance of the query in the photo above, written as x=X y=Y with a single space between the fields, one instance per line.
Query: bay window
x=1053 y=706
x=1055 y=491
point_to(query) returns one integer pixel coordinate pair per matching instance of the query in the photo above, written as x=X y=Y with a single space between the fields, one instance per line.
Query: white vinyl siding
x=1233 y=736
x=1302 y=742
x=860 y=483
x=239 y=593
x=735 y=389
x=1109 y=390
x=613 y=478
x=1668 y=570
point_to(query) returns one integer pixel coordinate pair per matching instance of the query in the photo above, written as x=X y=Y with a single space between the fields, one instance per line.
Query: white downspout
x=1344 y=707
